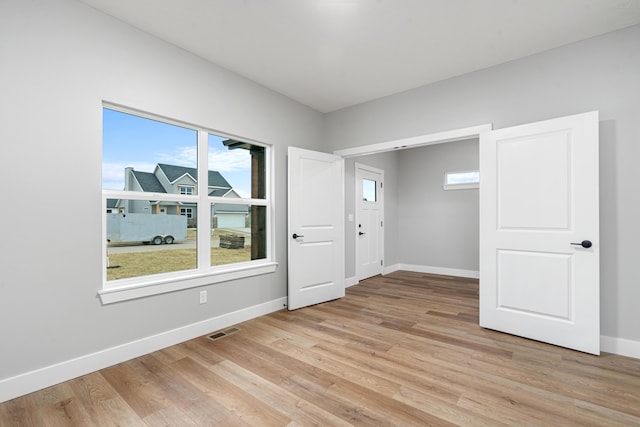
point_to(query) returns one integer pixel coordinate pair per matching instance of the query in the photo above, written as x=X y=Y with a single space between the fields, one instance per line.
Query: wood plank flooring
x=403 y=349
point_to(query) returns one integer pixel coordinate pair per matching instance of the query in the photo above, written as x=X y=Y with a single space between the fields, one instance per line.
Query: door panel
x=369 y=220
x=538 y=195
x=316 y=205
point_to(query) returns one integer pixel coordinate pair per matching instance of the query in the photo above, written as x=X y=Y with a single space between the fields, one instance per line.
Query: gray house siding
x=169 y=179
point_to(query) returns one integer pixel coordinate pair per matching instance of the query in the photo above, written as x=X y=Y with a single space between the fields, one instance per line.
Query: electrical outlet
x=203 y=297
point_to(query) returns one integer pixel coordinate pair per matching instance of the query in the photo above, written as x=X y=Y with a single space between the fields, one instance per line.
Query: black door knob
x=295 y=236
x=584 y=244
x=360 y=233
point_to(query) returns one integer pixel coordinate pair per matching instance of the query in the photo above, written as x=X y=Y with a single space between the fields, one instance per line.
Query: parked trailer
x=146 y=228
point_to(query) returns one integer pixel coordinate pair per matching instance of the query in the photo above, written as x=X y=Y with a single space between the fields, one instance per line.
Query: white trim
x=359 y=169
x=351 y=281
x=445 y=271
x=169 y=283
x=448 y=187
x=22 y=384
x=620 y=346
x=390 y=269
x=416 y=141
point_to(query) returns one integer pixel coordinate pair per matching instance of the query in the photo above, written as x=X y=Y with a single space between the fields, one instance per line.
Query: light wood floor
x=402 y=349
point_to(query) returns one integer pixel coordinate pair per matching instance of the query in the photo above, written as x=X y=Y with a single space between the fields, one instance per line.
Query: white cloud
x=183 y=156
x=229 y=160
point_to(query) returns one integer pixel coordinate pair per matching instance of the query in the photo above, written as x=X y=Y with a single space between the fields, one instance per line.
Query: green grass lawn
x=138 y=264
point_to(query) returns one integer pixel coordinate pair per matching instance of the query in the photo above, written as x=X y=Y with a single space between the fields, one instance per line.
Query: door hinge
x=380 y=184
x=381 y=263
x=381 y=223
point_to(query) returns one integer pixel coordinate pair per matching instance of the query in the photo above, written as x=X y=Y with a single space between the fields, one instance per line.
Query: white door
x=369 y=221
x=539 y=242
x=316 y=227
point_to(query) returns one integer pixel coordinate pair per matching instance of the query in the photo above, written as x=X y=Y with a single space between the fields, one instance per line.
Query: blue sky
x=129 y=140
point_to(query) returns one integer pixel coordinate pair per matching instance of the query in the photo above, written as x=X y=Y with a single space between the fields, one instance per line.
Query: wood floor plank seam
x=402 y=349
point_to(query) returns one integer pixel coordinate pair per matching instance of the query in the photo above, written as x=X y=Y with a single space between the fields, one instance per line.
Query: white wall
x=596 y=74
x=60 y=60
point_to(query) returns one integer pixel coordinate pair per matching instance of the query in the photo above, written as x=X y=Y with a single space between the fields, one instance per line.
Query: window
x=186 y=190
x=461 y=180
x=184 y=206
x=368 y=190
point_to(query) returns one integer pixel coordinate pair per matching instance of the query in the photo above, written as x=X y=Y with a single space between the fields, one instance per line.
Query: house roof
x=229 y=208
x=173 y=173
x=218 y=192
x=112 y=203
x=148 y=182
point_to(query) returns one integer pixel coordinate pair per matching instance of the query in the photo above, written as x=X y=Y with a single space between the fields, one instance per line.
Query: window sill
x=140 y=290
x=460 y=186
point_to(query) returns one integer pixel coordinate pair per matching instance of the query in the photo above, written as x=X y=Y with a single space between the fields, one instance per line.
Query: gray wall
x=60 y=59
x=596 y=74
x=437 y=228
x=424 y=225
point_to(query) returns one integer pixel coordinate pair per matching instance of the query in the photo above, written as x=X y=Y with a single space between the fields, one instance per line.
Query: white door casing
x=539 y=199
x=369 y=232
x=315 y=227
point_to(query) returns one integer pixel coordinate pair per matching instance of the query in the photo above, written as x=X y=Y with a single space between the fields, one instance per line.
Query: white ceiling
x=331 y=54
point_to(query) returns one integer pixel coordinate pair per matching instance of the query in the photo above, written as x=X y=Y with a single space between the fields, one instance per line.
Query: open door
x=316 y=227
x=539 y=232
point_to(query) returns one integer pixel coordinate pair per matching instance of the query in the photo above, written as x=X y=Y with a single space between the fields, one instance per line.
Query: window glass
x=139 y=145
x=369 y=190
x=155 y=234
x=236 y=168
x=472 y=177
x=238 y=233
x=461 y=180
x=186 y=190
x=156 y=239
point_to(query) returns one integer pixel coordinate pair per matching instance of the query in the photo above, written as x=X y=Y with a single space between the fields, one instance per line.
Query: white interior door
x=538 y=203
x=316 y=227
x=369 y=220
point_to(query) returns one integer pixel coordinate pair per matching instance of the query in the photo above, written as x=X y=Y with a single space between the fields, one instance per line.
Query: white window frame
x=186 y=187
x=447 y=185
x=137 y=287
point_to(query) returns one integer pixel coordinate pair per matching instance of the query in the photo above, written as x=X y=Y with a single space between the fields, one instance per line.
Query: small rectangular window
x=461 y=180
x=369 y=193
x=187 y=191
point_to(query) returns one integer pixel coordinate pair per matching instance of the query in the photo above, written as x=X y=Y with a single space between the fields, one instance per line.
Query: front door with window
x=369 y=221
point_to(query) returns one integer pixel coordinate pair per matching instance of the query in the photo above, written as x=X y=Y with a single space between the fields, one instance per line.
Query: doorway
x=520 y=198
x=369 y=222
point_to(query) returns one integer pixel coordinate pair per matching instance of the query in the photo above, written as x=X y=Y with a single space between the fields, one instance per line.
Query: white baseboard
x=38 y=379
x=473 y=274
x=620 y=346
x=390 y=269
x=350 y=281
x=22 y=384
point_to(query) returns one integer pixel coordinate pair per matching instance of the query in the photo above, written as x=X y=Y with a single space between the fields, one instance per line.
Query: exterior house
x=171 y=179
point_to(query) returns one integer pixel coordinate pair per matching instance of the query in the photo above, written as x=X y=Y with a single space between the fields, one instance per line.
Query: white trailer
x=146 y=228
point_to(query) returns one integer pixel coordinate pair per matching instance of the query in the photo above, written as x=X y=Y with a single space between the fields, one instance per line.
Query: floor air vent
x=222 y=334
